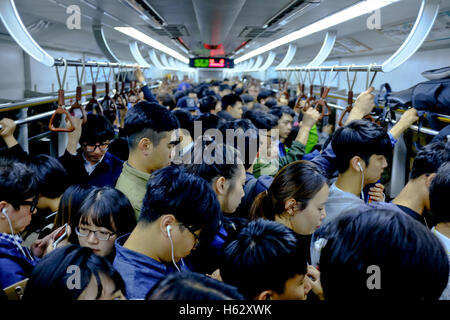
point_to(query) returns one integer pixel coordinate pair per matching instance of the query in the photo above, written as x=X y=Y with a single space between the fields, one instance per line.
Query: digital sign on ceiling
x=208 y=62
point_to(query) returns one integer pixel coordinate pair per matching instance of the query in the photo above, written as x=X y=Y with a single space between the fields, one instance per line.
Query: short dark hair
x=109 y=208
x=264 y=255
x=230 y=100
x=261 y=120
x=209 y=121
x=377 y=236
x=245 y=129
x=96 y=129
x=17 y=182
x=264 y=94
x=439 y=192
x=207 y=103
x=429 y=159
x=49 y=278
x=149 y=120
x=167 y=100
x=278 y=111
x=188 y=285
x=203 y=163
x=359 y=138
x=51 y=176
x=271 y=102
x=174 y=190
x=185 y=119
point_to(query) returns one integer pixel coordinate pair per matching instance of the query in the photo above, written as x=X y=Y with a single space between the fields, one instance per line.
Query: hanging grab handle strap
x=61 y=109
x=350 y=95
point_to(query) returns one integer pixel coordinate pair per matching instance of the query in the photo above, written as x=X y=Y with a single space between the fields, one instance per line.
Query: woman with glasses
x=105 y=215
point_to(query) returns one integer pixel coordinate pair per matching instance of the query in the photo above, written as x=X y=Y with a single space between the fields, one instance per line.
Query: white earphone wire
x=171 y=246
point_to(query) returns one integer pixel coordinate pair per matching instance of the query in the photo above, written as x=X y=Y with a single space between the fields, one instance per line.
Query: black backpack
x=428 y=98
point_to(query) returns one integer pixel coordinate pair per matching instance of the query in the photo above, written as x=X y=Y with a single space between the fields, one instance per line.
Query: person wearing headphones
x=18 y=201
x=178 y=211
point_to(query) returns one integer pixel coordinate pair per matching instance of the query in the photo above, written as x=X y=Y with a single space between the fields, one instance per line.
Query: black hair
x=263 y=95
x=429 y=159
x=192 y=286
x=148 y=120
x=207 y=103
x=261 y=120
x=215 y=160
x=51 y=277
x=245 y=139
x=96 y=129
x=167 y=100
x=260 y=107
x=271 y=102
x=439 y=192
x=377 y=237
x=209 y=121
x=223 y=87
x=185 y=119
x=17 y=182
x=51 y=176
x=359 y=138
x=230 y=100
x=264 y=255
x=109 y=208
x=300 y=180
x=246 y=98
x=174 y=190
x=69 y=208
x=278 y=111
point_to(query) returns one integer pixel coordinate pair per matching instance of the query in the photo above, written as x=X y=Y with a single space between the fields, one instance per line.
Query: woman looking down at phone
x=106 y=214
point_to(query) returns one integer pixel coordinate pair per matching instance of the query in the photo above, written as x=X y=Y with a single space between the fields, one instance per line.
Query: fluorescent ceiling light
x=136 y=34
x=350 y=13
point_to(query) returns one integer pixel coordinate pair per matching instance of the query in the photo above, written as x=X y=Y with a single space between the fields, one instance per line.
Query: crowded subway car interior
x=224 y=150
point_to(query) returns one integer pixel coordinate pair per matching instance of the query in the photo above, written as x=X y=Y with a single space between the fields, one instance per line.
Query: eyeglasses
x=33 y=203
x=90 y=148
x=100 y=235
x=197 y=238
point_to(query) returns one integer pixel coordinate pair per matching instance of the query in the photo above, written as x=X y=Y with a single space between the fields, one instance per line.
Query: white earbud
x=171 y=246
x=168 y=229
x=360 y=167
x=4 y=211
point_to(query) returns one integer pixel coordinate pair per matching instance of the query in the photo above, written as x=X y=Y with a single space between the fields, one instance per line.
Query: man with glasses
x=18 y=201
x=178 y=211
x=92 y=163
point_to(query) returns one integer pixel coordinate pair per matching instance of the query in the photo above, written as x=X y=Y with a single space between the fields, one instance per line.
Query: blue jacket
x=148 y=95
x=105 y=173
x=139 y=272
x=14 y=265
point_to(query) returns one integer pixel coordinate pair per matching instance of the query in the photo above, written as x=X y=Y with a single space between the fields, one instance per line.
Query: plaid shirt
x=17 y=240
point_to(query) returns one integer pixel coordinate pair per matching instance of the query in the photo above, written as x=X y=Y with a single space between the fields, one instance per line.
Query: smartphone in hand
x=60 y=236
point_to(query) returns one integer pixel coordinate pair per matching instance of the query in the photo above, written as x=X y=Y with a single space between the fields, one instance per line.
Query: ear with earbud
x=360 y=167
x=168 y=229
x=4 y=211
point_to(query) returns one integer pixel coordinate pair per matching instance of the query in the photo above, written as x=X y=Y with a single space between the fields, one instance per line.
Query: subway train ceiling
x=220 y=27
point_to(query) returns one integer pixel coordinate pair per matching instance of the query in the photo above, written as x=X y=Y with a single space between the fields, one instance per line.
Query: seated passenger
x=74 y=273
x=150 y=129
x=439 y=191
x=374 y=252
x=178 y=211
x=92 y=163
x=266 y=262
x=105 y=215
x=18 y=201
x=192 y=286
x=414 y=198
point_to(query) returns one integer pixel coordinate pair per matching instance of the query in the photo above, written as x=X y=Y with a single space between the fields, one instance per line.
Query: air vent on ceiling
x=253 y=32
x=171 y=30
